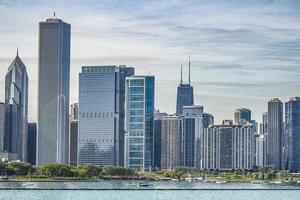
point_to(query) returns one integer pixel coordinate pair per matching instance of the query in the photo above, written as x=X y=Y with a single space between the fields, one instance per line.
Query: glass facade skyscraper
x=32 y=143
x=208 y=119
x=242 y=116
x=2 y=125
x=53 y=91
x=16 y=109
x=101 y=114
x=292 y=134
x=275 y=133
x=192 y=132
x=139 y=119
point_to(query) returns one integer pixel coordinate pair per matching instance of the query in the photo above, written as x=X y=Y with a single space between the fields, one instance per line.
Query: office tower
x=275 y=135
x=53 y=91
x=227 y=122
x=157 y=137
x=32 y=143
x=208 y=119
x=2 y=125
x=292 y=134
x=185 y=94
x=242 y=115
x=260 y=151
x=192 y=131
x=228 y=147
x=101 y=115
x=74 y=111
x=171 y=142
x=16 y=109
x=73 y=133
x=264 y=129
x=139 y=119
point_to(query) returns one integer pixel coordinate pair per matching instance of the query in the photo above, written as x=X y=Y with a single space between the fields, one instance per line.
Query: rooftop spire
x=181 y=75
x=54 y=14
x=189 y=69
x=17 y=51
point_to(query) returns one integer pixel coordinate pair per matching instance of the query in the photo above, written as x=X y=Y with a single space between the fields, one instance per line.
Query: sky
x=243 y=53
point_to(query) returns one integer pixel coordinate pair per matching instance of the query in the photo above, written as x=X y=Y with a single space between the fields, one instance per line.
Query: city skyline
x=236 y=59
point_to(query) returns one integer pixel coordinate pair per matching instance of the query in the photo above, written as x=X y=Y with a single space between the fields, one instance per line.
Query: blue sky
x=242 y=52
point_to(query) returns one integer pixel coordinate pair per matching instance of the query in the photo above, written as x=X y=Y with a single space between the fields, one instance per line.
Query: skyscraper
x=242 y=115
x=32 y=143
x=157 y=137
x=228 y=147
x=2 y=125
x=53 y=91
x=185 y=93
x=74 y=134
x=101 y=114
x=275 y=135
x=139 y=119
x=292 y=134
x=208 y=119
x=171 y=142
x=16 y=103
x=192 y=132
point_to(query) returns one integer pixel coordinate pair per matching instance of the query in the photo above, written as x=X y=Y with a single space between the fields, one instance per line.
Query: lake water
x=156 y=190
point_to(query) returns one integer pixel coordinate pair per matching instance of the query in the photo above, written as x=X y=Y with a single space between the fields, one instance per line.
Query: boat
x=143 y=185
x=221 y=182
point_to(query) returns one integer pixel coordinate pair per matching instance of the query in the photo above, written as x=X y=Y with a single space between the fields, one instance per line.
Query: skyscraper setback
x=16 y=109
x=275 y=133
x=101 y=114
x=53 y=91
x=185 y=93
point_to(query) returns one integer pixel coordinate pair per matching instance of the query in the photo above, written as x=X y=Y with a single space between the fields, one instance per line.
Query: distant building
x=171 y=140
x=227 y=122
x=185 y=94
x=139 y=122
x=275 y=133
x=16 y=109
x=208 y=119
x=157 y=137
x=292 y=134
x=192 y=131
x=2 y=125
x=32 y=143
x=101 y=115
x=228 y=147
x=74 y=111
x=53 y=90
x=260 y=150
x=242 y=115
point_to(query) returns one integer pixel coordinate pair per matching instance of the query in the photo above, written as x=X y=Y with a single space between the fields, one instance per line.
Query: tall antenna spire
x=181 y=75
x=189 y=69
x=54 y=14
x=17 y=51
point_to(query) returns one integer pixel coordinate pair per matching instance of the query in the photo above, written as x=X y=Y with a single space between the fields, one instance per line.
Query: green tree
x=88 y=170
x=117 y=171
x=20 y=168
x=55 y=170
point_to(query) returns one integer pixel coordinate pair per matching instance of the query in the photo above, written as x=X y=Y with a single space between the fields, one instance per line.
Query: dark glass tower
x=16 y=108
x=185 y=94
x=292 y=134
x=32 y=143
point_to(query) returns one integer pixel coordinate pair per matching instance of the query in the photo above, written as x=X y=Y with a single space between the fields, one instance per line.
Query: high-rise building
x=242 y=116
x=171 y=142
x=275 y=133
x=192 y=132
x=260 y=151
x=185 y=94
x=157 y=137
x=53 y=91
x=2 y=125
x=16 y=109
x=292 y=134
x=208 y=119
x=139 y=119
x=228 y=147
x=32 y=143
x=73 y=133
x=227 y=122
x=101 y=114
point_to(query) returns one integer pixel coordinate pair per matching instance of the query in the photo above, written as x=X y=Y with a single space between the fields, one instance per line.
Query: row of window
x=96 y=114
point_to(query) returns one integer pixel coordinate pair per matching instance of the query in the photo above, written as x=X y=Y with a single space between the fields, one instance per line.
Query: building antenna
x=181 y=75
x=189 y=69
x=54 y=14
x=17 y=51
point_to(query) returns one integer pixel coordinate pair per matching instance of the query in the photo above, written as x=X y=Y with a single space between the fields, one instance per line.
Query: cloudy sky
x=242 y=52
